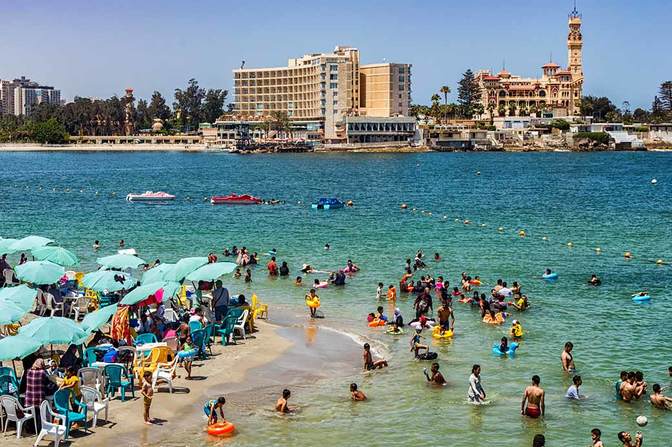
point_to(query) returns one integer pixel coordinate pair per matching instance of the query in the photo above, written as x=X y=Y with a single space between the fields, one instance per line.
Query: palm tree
x=445 y=90
x=435 y=105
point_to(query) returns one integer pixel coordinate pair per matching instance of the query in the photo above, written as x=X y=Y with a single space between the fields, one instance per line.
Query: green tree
x=418 y=109
x=468 y=94
x=665 y=96
x=280 y=122
x=446 y=91
x=189 y=103
x=143 y=120
x=213 y=104
x=435 y=110
x=640 y=115
x=158 y=108
x=49 y=132
x=597 y=107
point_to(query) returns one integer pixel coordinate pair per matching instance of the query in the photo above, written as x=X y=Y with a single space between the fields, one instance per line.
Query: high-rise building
x=18 y=96
x=558 y=92
x=322 y=89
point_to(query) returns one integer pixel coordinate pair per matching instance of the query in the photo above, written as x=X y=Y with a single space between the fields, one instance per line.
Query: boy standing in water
x=534 y=397
x=596 y=434
x=281 y=405
x=355 y=394
x=436 y=378
x=210 y=409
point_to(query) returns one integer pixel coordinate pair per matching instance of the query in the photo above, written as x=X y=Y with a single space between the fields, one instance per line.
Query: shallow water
x=600 y=200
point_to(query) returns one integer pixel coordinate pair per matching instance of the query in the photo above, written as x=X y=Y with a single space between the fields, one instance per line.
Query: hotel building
x=558 y=92
x=17 y=97
x=318 y=91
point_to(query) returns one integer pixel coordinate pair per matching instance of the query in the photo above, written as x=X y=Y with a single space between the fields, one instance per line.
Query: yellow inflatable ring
x=313 y=304
x=436 y=333
x=221 y=428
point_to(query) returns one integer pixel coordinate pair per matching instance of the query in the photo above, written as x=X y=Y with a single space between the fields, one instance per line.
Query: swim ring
x=641 y=298
x=499 y=319
x=313 y=303
x=390 y=331
x=511 y=351
x=465 y=300
x=475 y=282
x=221 y=428
x=436 y=333
x=550 y=276
x=321 y=285
x=376 y=323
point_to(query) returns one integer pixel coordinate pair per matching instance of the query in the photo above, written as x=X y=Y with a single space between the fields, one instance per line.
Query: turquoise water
x=600 y=200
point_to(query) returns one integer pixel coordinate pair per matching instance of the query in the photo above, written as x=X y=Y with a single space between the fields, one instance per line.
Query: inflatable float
x=391 y=331
x=221 y=429
x=436 y=333
x=377 y=323
x=313 y=303
x=550 y=276
x=637 y=298
x=510 y=352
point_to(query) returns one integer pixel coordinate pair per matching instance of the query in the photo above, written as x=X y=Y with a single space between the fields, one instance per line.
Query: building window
x=401 y=87
x=333 y=67
x=333 y=85
x=402 y=70
x=402 y=78
x=333 y=76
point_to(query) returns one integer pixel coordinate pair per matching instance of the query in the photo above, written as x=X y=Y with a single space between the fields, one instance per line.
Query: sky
x=97 y=48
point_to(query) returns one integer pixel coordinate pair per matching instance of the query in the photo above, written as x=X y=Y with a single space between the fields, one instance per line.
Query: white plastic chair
x=170 y=316
x=79 y=307
x=240 y=324
x=41 y=302
x=50 y=428
x=164 y=372
x=94 y=402
x=52 y=305
x=9 y=277
x=12 y=407
x=92 y=377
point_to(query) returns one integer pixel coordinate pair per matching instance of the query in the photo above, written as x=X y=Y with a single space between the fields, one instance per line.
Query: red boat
x=235 y=199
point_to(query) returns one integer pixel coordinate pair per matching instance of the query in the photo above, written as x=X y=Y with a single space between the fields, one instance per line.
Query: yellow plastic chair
x=92 y=297
x=259 y=310
x=79 y=277
x=157 y=356
x=184 y=302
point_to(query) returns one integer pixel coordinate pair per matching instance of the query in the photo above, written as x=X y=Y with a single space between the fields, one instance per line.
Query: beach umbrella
x=105 y=280
x=94 y=320
x=23 y=296
x=210 y=272
x=17 y=347
x=157 y=273
x=57 y=255
x=53 y=330
x=141 y=293
x=11 y=312
x=39 y=272
x=28 y=243
x=170 y=289
x=120 y=261
x=185 y=266
x=5 y=244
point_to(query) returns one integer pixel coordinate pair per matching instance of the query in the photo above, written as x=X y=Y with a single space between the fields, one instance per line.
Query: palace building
x=557 y=92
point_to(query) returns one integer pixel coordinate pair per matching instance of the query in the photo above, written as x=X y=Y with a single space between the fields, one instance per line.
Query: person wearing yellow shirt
x=516 y=330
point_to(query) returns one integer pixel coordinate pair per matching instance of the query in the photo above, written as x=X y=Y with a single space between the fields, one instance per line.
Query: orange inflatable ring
x=475 y=282
x=221 y=428
x=376 y=323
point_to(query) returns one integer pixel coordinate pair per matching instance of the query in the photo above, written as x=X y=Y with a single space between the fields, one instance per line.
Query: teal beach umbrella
x=105 y=280
x=157 y=273
x=28 y=243
x=39 y=272
x=23 y=296
x=210 y=272
x=57 y=255
x=170 y=289
x=141 y=293
x=120 y=261
x=5 y=244
x=98 y=318
x=53 y=330
x=10 y=312
x=17 y=347
x=185 y=266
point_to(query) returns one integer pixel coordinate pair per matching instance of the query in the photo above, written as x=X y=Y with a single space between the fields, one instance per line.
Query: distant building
x=557 y=93
x=18 y=96
x=321 y=90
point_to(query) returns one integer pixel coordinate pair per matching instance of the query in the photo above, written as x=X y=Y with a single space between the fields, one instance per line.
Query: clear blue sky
x=97 y=48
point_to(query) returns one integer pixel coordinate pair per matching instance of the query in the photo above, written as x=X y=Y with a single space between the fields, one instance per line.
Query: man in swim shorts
x=567 y=358
x=445 y=315
x=534 y=398
x=369 y=363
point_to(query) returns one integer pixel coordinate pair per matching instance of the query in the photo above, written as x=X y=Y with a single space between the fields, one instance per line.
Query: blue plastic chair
x=198 y=338
x=117 y=378
x=195 y=326
x=141 y=339
x=90 y=356
x=9 y=386
x=227 y=329
x=62 y=399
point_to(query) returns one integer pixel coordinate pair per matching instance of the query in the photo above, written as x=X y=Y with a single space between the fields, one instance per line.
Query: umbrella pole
x=14 y=366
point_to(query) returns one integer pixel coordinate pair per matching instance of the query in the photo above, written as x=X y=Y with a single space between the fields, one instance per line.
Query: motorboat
x=327 y=204
x=235 y=199
x=150 y=196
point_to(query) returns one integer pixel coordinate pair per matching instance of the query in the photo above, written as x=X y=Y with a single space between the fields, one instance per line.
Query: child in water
x=210 y=409
x=355 y=394
x=281 y=405
x=379 y=291
x=391 y=293
x=436 y=378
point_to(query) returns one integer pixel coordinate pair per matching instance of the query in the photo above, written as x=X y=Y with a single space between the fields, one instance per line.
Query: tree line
x=54 y=123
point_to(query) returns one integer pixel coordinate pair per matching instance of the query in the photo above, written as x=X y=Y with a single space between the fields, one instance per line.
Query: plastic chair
x=12 y=407
x=118 y=378
x=126 y=355
x=9 y=386
x=209 y=336
x=9 y=277
x=240 y=323
x=80 y=307
x=62 y=399
x=94 y=402
x=195 y=326
x=226 y=332
x=172 y=343
x=234 y=312
x=170 y=316
x=157 y=356
x=198 y=338
x=141 y=339
x=49 y=428
x=91 y=377
x=164 y=373
x=259 y=310
x=90 y=356
x=7 y=371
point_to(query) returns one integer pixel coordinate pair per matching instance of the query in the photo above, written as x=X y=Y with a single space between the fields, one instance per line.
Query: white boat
x=150 y=196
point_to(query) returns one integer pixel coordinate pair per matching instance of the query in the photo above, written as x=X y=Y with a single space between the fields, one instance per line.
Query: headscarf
x=38 y=364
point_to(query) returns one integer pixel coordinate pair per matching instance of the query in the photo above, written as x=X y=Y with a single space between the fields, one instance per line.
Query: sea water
x=600 y=200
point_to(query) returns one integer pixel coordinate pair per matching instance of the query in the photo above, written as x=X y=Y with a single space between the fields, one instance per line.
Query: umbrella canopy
x=120 y=261
x=96 y=319
x=5 y=244
x=39 y=272
x=53 y=330
x=17 y=347
x=210 y=272
x=141 y=293
x=57 y=255
x=28 y=243
x=157 y=273
x=170 y=289
x=105 y=280
x=183 y=267
x=23 y=296
x=11 y=312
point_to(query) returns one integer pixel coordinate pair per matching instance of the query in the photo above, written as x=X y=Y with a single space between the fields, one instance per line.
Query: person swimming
x=533 y=404
x=281 y=405
x=436 y=378
x=356 y=394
